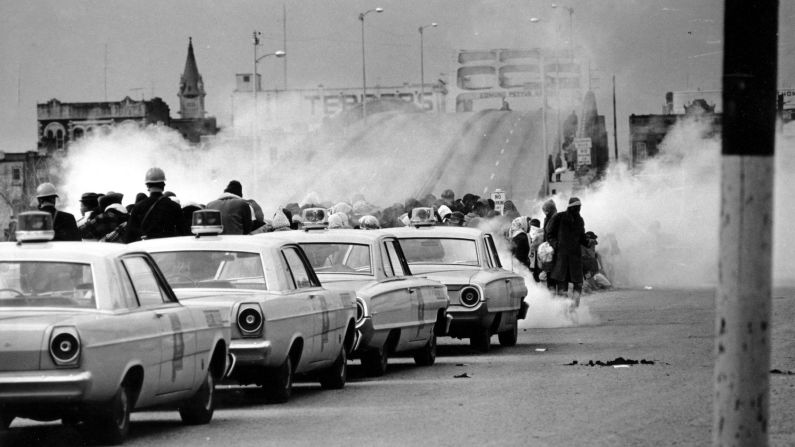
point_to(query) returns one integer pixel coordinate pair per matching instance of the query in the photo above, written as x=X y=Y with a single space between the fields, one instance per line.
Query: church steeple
x=191 y=88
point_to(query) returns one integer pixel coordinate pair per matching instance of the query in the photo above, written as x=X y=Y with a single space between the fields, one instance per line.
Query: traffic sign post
x=498 y=196
x=583 y=146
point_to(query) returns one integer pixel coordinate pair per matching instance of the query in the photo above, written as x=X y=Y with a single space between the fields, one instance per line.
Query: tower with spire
x=191 y=88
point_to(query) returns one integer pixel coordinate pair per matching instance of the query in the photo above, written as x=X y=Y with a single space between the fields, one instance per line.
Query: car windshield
x=440 y=251
x=339 y=258
x=46 y=284
x=212 y=269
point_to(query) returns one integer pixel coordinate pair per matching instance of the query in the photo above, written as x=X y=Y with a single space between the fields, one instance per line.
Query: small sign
x=499 y=197
x=583 y=146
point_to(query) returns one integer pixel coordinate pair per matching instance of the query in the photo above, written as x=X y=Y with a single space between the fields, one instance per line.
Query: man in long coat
x=567 y=236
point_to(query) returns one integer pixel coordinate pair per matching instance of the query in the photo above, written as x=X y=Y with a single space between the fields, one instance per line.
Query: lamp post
x=544 y=143
x=422 y=61
x=364 y=70
x=255 y=88
x=571 y=26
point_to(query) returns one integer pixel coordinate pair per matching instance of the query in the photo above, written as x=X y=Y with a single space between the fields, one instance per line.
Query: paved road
x=525 y=395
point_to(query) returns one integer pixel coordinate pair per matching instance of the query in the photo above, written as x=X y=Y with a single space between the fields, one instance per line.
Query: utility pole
x=615 y=120
x=743 y=298
x=284 y=42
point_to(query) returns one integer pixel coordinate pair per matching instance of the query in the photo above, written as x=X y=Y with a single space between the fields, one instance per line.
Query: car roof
x=225 y=242
x=340 y=235
x=63 y=250
x=437 y=231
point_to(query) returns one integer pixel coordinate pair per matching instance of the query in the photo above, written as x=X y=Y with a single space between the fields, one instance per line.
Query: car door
x=177 y=335
x=413 y=315
x=322 y=345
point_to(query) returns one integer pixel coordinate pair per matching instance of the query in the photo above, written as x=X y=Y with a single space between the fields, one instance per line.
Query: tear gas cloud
x=657 y=226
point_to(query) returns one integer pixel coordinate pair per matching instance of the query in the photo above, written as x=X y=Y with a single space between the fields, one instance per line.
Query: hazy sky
x=57 y=48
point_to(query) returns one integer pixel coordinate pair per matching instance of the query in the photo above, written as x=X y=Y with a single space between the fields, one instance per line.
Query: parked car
x=485 y=299
x=397 y=311
x=91 y=332
x=284 y=322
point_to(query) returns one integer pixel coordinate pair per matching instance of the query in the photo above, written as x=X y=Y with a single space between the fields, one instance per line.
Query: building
x=61 y=123
x=20 y=174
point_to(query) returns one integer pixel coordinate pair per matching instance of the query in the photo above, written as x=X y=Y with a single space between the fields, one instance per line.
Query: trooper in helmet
x=63 y=223
x=156 y=216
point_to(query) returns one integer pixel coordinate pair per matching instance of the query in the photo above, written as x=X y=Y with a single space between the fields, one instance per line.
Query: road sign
x=583 y=146
x=499 y=197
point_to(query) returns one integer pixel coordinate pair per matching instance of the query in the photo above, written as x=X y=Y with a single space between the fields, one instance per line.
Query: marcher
x=116 y=217
x=520 y=244
x=549 y=209
x=63 y=224
x=536 y=236
x=89 y=210
x=156 y=216
x=567 y=235
x=236 y=213
x=593 y=272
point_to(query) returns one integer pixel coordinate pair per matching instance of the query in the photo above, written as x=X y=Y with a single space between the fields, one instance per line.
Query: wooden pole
x=743 y=298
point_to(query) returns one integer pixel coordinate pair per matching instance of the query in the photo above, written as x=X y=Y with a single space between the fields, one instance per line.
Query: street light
x=255 y=88
x=571 y=26
x=422 y=61
x=364 y=71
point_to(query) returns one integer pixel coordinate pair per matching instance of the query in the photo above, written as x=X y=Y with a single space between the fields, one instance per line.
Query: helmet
x=46 y=190
x=155 y=175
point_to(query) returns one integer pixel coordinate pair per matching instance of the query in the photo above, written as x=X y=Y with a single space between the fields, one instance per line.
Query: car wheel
x=375 y=362
x=509 y=337
x=113 y=421
x=200 y=407
x=427 y=355
x=334 y=377
x=5 y=421
x=279 y=386
x=481 y=339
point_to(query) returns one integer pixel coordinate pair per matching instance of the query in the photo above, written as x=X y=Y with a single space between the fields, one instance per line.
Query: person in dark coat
x=63 y=224
x=567 y=236
x=549 y=209
x=156 y=216
x=236 y=213
x=520 y=244
x=89 y=210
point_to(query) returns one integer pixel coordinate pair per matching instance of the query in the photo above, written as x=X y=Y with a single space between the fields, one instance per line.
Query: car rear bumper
x=44 y=386
x=248 y=352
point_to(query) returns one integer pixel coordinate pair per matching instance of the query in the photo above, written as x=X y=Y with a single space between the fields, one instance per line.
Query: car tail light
x=250 y=319
x=65 y=346
x=361 y=311
x=470 y=297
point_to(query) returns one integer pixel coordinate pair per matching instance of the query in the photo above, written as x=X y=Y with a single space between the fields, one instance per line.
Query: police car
x=485 y=299
x=91 y=332
x=283 y=321
x=397 y=312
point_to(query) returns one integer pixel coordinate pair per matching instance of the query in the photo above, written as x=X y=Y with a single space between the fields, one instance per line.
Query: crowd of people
x=557 y=251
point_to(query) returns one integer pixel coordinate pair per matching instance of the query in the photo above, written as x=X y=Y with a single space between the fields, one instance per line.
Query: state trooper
x=156 y=216
x=63 y=223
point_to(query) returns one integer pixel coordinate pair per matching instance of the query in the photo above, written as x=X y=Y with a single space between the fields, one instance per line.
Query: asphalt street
x=531 y=394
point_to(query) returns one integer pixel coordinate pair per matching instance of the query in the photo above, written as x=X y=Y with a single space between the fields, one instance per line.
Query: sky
x=93 y=50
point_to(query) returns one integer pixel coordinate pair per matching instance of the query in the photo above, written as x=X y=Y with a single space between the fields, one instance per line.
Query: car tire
x=113 y=420
x=375 y=362
x=5 y=421
x=336 y=375
x=426 y=356
x=509 y=337
x=480 y=340
x=198 y=410
x=279 y=386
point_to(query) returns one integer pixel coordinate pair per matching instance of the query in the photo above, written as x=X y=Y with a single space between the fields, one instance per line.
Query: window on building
x=246 y=78
x=16 y=174
x=59 y=139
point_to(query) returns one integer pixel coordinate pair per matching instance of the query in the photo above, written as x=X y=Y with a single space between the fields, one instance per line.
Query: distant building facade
x=20 y=174
x=61 y=123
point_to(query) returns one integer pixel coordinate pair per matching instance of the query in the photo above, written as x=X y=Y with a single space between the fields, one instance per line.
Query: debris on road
x=462 y=376
x=541 y=349
x=619 y=362
x=786 y=373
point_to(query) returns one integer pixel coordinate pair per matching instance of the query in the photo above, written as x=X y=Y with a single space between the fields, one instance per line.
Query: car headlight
x=250 y=319
x=361 y=311
x=65 y=346
x=470 y=297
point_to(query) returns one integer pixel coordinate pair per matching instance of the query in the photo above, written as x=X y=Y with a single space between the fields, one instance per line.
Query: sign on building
x=499 y=197
x=583 y=146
